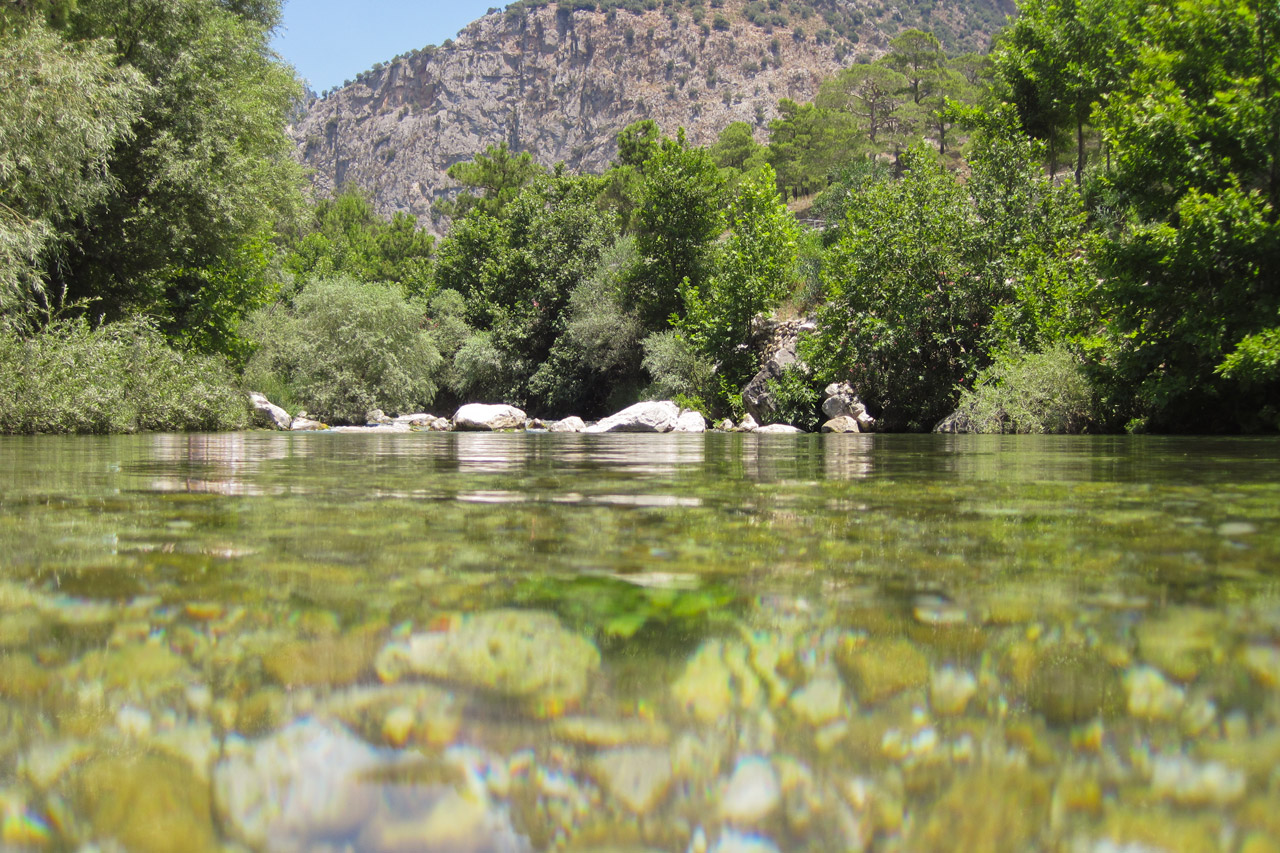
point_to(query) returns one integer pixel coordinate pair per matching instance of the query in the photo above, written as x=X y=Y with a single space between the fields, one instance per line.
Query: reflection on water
x=468 y=641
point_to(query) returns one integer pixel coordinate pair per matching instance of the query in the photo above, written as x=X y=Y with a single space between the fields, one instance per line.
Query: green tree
x=918 y=57
x=1195 y=141
x=735 y=146
x=808 y=143
x=518 y=269
x=679 y=215
x=756 y=266
x=1058 y=59
x=346 y=235
x=207 y=170
x=872 y=93
x=63 y=109
x=498 y=173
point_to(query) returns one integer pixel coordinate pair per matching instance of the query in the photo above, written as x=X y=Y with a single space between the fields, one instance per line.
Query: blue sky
x=330 y=41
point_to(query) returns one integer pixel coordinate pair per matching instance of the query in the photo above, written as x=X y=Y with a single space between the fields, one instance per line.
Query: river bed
x=720 y=642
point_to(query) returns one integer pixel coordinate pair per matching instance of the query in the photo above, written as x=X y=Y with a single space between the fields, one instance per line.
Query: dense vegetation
x=157 y=254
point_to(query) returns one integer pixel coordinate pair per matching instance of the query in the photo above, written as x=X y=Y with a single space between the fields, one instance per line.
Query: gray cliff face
x=557 y=84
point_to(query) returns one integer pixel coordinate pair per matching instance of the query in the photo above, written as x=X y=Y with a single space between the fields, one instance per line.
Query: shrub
x=119 y=377
x=796 y=399
x=677 y=369
x=344 y=347
x=1045 y=392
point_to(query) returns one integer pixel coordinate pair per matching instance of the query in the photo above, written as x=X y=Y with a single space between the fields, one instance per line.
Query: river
x=731 y=643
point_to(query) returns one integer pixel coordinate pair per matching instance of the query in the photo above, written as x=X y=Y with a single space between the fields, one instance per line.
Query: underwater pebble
x=752 y=793
x=1236 y=528
x=1264 y=663
x=638 y=777
x=1187 y=783
x=1151 y=696
x=950 y=690
x=398 y=725
x=877 y=669
x=736 y=842
x=705 y=687
x=133 y=722
x=520 y=654
x=819 y=702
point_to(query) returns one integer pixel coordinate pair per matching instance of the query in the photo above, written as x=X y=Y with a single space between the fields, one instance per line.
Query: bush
x=344 y=347
x=1046 y=392
x=595 y=363
x=120 y=377
x=796 y=399
x=677 y=369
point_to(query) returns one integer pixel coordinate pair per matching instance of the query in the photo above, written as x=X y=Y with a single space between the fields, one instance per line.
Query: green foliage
x=594 y=366
x=614 y=610
x=872 y=93
x=1191 y=259
x=679 y=215
x=119 y=377
x=755 y=267
x=796 y=399
x=1045 y=392
x=207 y=170
x=807 y=143
x=517 y=271
x=63 y=109
x=677 y=369
x=344 y=347
x=497 y=173
x=344 y=235
x=929 y=278
x=918 y=57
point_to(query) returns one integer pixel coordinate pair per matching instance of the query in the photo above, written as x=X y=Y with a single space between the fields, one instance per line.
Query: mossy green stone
x=149 y=803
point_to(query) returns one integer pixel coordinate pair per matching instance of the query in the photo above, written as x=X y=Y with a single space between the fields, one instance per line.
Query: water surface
x=309 y=642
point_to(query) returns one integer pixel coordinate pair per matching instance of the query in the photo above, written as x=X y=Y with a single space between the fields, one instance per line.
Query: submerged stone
x=518 y=654
x=1181 y=641
x=991 y=810
x=327 y=661
x=149 y=803
x=879 y=668
x=315 y=786
x=1073 y=684
x=638 y=777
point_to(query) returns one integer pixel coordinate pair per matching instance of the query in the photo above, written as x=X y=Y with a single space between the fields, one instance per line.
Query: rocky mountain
x=560 y=80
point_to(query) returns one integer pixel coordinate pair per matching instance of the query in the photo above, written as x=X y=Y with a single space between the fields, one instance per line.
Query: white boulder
x=483 y=416
x=658 y=416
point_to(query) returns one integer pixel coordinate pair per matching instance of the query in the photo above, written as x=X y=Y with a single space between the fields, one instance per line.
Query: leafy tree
x=637 y=142
x=1058 y=59
x=870 y=92
x=207 y=170
x=679 y=215
x=497 y=173
x=63 y=109
x=736 y=146
x=756 y=265
x=1195 y=141
x=918 y=57
x=517 y=270
x=808 y=143
x=930 y=278
x=346 y=235
x=343 y=347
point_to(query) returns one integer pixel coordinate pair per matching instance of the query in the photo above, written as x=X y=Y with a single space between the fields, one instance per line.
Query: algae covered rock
x=1071 y=684
x=325 y=661
x=990 y=810
x=1181 y=641
x=879 y=668
x=148 y=803
x=518 y=654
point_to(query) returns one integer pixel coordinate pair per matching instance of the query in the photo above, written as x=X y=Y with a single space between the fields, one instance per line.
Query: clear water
x=724 y=642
